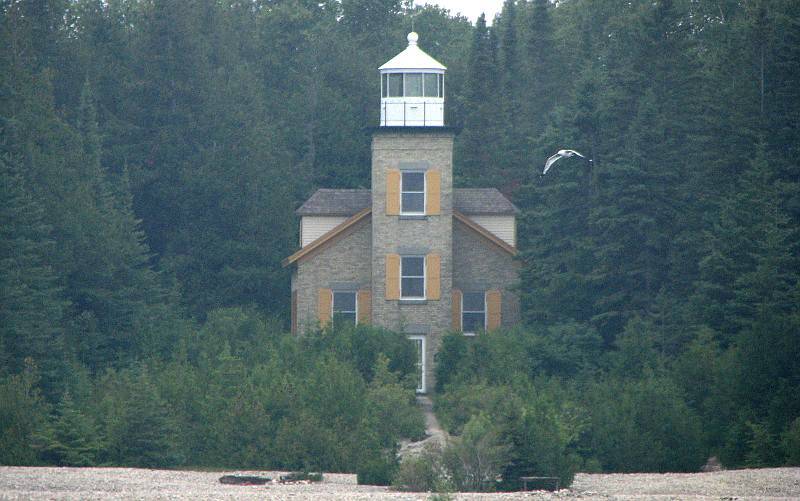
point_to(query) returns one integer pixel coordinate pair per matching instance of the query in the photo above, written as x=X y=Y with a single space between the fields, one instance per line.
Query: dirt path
x=130 y=483
x=435 y=435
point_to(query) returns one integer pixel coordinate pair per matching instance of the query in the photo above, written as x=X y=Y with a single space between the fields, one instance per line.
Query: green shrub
x=377 y=468
x=22 y=412
x=136 y=422
x=790 y=440
x=423 y=473
x=643 y=425
x=764 y=448
x=475 y=459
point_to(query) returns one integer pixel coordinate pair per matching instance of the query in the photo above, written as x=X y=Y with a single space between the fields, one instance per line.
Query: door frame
x=423 y=387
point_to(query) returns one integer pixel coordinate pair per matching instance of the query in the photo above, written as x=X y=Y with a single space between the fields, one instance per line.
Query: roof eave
x=327 y=237
x=484 y=233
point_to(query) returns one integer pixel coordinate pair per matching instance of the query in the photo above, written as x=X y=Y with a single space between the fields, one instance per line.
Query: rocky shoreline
x=132 y=483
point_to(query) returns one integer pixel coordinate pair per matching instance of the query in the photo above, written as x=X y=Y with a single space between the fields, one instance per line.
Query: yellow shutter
x=364 y=306
x=433 y=265
x=493 y=310
x=456 y=310
x=393 y=193
x=392 y=276
x=324 y=306
x=433 y=181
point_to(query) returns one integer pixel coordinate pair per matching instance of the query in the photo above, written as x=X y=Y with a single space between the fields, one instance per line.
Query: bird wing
x=550 y=161
x=573 y=152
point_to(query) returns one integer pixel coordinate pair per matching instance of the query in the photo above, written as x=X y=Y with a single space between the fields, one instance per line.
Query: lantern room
x=412 y=89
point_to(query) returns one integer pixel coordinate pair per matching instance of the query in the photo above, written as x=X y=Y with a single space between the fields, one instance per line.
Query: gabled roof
x=475 y=201
x=328 y=237
x=328 y=202
x=340 y=230
x=413 y=58
x=469 y=201
x=480 y=230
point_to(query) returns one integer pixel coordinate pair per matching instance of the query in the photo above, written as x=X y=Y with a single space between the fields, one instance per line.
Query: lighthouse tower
x=412 y=205
x=412 y=89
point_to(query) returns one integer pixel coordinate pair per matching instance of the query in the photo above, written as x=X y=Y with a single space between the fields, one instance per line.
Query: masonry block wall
x=343 y=266
x=410 y=149
x=481 y=265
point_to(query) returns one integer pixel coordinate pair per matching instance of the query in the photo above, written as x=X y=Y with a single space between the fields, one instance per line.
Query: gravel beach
x=131 y=483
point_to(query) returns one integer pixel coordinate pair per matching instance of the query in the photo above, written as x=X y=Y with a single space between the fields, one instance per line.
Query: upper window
x=412 y=277
x=394 y=85
x=412 y=189
x=412 y=85
x=473 y=312
x=344 y=308
x=432 y=85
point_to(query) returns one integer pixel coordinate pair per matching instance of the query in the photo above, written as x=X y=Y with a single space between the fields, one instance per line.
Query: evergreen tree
x=70 y=438
x=539 y=78
x=31 y=304
x=479 y=141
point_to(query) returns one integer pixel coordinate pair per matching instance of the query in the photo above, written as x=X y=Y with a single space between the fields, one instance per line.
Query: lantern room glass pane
x=384 y=85
x=441 y=85
x=413 y=84
x=431 y=85
x=395 y=85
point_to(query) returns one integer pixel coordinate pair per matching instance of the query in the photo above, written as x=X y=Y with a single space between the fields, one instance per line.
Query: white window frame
x=423 y=387
x=333 y=304
x=424 y=278
x=424 y=193
x=463 y=311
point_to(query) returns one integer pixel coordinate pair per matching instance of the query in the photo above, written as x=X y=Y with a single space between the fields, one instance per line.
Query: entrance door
x=419 y=344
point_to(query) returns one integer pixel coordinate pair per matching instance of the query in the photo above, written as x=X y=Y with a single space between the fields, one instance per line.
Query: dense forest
x=152 y=154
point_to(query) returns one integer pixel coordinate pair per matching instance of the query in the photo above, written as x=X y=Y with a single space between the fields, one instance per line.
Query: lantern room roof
x=413 y=58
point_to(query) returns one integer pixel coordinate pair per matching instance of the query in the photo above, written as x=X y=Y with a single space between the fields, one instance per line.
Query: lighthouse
x=412 y=88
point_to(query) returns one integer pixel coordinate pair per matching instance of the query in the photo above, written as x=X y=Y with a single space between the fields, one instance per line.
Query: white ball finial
x=412 y=38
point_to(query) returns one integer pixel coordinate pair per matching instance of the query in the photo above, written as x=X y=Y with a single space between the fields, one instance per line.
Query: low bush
x=423 y=473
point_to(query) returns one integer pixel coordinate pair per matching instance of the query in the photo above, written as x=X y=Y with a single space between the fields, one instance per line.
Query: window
x=344 y=308
x=412 y=199
x=473 y=312
x=413 y=84
x=431 y=85
x=395 y=85
x=412 y=277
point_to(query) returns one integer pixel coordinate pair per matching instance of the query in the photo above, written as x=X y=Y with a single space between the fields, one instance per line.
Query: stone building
x=412 y=254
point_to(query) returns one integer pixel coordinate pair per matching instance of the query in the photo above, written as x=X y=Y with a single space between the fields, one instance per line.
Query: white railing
x=412 y=114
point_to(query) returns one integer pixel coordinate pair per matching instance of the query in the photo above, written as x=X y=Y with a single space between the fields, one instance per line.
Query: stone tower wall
x=409 y=149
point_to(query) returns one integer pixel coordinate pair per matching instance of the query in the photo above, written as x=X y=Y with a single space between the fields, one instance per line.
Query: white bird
x=558 y=156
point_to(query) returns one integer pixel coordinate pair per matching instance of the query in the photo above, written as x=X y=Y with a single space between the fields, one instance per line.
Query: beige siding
x=502 y=227
x=313 y=227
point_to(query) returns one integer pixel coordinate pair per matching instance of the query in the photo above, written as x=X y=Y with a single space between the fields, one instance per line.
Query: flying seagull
x=558 y=156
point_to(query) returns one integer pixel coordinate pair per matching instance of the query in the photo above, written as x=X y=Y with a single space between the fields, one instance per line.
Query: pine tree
x=511 y=167
x=32 y=306
x=70 y=437
x=539 y=78
x=480 y=140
